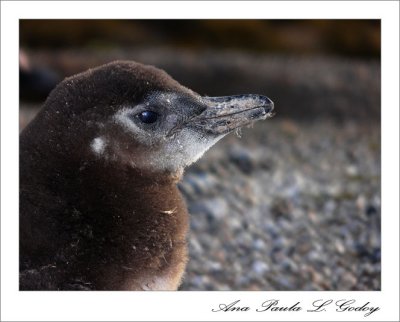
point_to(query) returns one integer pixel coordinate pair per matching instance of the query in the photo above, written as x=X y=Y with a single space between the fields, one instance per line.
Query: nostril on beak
x=257 y=114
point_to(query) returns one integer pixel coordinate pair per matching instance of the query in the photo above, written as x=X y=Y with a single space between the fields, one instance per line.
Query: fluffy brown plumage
x=99 y=206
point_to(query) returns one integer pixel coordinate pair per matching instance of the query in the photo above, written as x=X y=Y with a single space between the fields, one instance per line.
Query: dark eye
x=148 y=117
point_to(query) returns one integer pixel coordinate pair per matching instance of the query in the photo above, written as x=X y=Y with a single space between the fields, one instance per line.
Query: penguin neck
x=114 y=173
x=134 y=186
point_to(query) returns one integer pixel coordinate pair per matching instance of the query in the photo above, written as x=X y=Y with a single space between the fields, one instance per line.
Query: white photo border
x=195 y=306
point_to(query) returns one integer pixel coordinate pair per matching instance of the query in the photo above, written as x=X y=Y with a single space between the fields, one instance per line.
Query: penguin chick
x=99 y=205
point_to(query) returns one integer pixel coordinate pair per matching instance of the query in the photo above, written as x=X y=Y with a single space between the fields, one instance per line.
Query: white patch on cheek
x=187 y=147
x=98 y=145
x=196 y=148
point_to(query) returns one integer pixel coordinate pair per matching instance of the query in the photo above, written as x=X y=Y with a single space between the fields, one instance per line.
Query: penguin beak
x=224 y=114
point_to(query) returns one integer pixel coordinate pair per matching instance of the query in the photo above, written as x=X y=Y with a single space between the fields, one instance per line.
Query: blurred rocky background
x=291 y=204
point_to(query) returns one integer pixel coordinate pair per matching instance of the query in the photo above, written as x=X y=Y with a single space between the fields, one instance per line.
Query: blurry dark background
x=354 y=38
x=295 y=202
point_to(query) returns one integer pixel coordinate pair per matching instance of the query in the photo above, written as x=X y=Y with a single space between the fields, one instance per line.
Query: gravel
x=277 y=210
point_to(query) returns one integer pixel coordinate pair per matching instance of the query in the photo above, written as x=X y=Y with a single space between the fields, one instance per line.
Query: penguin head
x=139 y=116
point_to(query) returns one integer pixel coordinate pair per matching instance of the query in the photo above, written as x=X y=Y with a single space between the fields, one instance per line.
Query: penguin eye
x=148 y=117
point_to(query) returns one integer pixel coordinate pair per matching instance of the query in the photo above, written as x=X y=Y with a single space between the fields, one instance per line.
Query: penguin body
x=99 y=205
